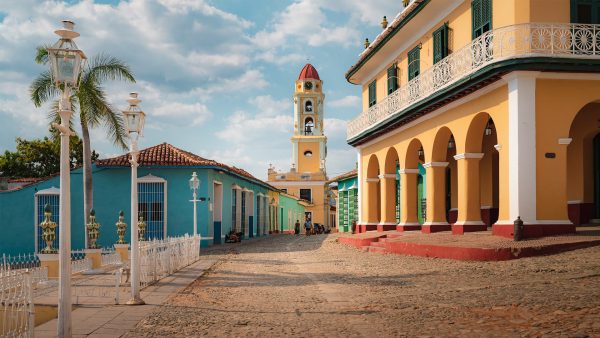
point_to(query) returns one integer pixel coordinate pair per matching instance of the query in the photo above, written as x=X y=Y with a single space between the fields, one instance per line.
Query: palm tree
x=90 y=102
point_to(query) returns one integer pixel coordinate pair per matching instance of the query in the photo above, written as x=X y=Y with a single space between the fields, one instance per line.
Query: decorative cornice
x=435 y=164
x=565 y=141
x=468 y=155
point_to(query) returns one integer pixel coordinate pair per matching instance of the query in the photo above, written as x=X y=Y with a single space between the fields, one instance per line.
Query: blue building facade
x=231 y=199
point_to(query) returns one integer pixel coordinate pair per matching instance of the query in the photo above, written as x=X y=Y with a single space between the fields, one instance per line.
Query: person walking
x=307 y=226
x=297 y=227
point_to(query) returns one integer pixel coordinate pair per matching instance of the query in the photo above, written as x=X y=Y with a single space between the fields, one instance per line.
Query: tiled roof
x=165 y=154
x=308 y=72
x=26 y=179
x=349 y=174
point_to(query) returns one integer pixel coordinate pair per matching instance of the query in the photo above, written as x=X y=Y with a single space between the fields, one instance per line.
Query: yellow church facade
x=477 y=112
x=307 y=177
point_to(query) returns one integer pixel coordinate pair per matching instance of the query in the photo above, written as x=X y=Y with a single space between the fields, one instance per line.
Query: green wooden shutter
x=440 y=43
x=585 y=11
x=414 y=63
x=481 y=13
x=372 y=93
x=392 y=79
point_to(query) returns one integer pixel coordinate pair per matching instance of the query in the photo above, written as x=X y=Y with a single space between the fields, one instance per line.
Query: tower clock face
x=308 y=85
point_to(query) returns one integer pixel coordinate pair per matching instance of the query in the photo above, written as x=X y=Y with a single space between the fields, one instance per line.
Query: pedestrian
x=297 y=227
x=353 y=226
x=308 y=226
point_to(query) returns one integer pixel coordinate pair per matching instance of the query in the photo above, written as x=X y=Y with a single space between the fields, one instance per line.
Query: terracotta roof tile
x=165 y=154
x=349 y=174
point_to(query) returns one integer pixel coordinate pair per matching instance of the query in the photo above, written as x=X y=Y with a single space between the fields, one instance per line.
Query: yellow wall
x=308 y=164
x=557 y=104
x=458 y=120
x=504 y=13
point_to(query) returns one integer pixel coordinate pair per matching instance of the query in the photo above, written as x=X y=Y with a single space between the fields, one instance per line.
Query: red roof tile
x=165 y=154
x=349 y=174
x=308 y=72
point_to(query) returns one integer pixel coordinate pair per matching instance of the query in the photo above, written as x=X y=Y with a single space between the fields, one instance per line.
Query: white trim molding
x=435 y=164
x=408 y=171
x=383 y=176
x=463 y=156
x=371 y=180
x=408 y=224
x=565 y=141
x=50 y=191
x=498 y=147
x=575 y=202
x=151 y=179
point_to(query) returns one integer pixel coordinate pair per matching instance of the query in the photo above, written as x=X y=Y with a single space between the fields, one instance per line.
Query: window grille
x=151 y=204
x=41 y=199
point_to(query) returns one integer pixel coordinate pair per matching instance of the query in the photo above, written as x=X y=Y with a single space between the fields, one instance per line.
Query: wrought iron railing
x=510 y=42
x=16 y=303
x=160 y=258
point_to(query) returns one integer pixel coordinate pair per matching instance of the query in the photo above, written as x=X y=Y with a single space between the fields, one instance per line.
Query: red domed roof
x=308 y=72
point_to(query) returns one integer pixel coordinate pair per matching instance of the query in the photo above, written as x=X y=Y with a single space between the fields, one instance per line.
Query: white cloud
x=350 y=101
x=194 y=113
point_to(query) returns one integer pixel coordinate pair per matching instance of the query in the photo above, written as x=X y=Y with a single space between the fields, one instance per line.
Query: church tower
x=309 y=144
x=307 y=177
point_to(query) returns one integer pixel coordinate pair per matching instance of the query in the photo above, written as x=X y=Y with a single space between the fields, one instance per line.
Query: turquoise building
x=231 y=199
x=347 y=199
x=291 y=209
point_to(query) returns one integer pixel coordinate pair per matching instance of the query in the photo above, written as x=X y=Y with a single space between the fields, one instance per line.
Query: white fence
x=110 y=257
x=575 y=41
x=160 y=258
x=16 y=304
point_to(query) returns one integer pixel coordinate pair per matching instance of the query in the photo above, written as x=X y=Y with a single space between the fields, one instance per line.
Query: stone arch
x=475 y=133
x=412 y=157
x=373 y=195
x=390 y=194
x=444 y=150
x=583 y=165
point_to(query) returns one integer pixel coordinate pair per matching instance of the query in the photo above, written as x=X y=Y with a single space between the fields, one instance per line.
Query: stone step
x=376 y=249
x=393 y=235
x=378 y=244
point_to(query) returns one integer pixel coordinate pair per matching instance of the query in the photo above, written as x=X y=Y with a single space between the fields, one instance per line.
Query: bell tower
x=309 y=144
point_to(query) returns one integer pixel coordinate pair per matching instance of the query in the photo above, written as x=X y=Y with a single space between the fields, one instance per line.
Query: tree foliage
x=40 y=157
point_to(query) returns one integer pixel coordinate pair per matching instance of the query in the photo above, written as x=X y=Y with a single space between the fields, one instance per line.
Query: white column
x=135 y=250
x=195 y=215
x=64 y=237
x=522 y=146
x=295 y=153
x=238 y=210
x=360 y=186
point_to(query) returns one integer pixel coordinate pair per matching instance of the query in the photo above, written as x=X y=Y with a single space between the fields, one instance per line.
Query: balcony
x=574 y=41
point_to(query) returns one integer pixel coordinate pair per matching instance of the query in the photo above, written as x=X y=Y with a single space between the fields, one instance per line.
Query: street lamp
x=134 y=122
x=66 y=61
x=194 y=184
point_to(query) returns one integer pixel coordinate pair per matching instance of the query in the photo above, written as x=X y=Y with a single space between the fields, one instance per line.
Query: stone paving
x=301 y=286
x=96 y=316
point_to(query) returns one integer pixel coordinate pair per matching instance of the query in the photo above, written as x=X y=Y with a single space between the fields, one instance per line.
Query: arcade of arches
x=528 y=146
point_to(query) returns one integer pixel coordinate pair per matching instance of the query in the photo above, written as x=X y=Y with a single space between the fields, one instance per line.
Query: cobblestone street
x=313 y=286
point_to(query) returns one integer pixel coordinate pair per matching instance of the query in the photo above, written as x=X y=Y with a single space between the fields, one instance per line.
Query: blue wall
x=112 y=194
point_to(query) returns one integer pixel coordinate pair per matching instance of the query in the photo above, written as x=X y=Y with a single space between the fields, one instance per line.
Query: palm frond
x=41 y=55
x=103 y=67
x=96 y=109
x=42 y=89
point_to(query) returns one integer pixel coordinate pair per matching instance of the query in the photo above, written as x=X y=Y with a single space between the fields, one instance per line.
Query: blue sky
x=215 y=76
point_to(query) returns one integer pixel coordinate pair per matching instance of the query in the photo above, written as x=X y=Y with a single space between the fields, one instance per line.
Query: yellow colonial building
x=307 y=178
x=476 y=112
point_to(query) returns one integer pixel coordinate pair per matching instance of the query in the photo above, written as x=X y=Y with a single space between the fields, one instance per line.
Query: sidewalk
x=93 y=319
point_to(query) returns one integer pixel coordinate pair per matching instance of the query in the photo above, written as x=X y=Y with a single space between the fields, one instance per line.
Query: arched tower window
x=308 y=106
x=308 y=126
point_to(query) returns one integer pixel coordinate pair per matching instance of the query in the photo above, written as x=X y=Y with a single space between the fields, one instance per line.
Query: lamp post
x=134 y=121
x=66 y=60
x=194 y=184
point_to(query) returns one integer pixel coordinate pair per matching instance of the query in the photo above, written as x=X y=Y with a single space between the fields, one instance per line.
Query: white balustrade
x=16 y=304
x=574 y=41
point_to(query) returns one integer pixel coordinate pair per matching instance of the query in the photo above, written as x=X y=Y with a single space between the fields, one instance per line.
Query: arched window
x=308 y=106
x=308 y=126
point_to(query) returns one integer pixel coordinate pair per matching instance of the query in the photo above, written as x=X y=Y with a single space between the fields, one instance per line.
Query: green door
x=420 y=199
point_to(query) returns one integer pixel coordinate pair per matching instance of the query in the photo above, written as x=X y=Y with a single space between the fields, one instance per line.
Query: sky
x=216 y=77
